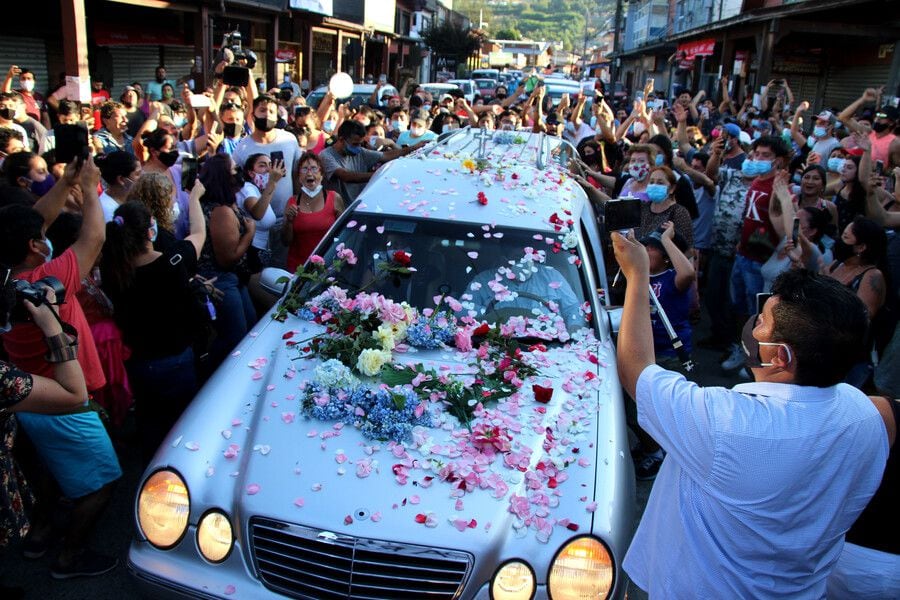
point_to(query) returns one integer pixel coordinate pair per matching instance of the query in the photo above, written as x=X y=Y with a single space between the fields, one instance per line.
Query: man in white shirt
x=762 y=481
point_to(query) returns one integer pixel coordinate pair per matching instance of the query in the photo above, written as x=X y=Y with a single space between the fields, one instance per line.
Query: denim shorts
x=76 y=449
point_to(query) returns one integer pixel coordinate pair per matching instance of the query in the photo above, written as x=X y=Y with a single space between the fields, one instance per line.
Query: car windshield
x=496 y=274
x=485 y=84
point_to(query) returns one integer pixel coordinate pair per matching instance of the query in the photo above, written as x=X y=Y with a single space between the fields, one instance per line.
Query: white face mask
x=27 y=84
x=176 y=211
x=312 y=193
x=417 y=131
x=373 y=141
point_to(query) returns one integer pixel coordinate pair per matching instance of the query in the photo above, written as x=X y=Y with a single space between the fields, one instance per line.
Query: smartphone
x=71 y=142
x=622 y=214
x=189 y=167
x=236 y=76
x=302 y=111
x=879 y=168
x=382 y=79
x=761 y=298
x=200 y=101
x=276 y=155
x=795 y=231
x=531 y=83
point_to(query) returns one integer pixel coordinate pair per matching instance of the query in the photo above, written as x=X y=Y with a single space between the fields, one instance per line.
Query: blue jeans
x=746 y=282
x=235 y=315
x=163 y=388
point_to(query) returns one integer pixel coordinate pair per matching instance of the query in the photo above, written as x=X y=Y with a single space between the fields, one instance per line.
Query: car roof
x=440 y=86
x=444 y=188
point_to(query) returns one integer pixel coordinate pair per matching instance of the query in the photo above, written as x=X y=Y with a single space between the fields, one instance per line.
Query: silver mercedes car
x=431 y=412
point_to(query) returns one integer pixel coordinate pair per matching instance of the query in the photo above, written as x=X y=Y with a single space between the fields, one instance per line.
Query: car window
x=497 y=276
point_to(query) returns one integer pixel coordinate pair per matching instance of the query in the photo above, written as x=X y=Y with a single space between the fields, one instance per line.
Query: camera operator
x=760 y=482
x=75 y=448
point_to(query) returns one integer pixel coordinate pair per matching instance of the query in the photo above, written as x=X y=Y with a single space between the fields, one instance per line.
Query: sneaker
x=648 y=466
x=87 y=564
x=736 y=358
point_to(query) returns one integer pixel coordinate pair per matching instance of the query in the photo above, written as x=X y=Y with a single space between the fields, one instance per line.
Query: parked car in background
x=435 y=413
x=486 y=74
x=438 y=89
x=468 y=88
x=361 y=94
x=486 y=88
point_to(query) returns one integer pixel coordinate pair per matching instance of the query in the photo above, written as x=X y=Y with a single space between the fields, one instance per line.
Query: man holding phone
x=266 y=139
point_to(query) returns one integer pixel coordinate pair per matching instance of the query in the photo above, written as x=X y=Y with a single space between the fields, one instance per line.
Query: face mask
x=127 y=103
x=180 y=122
x=819 y=132
x=7 y=113
x=175 y=211
x=264 y=124
x=312 y=193
x=229 y=129
x=373 y=140
x=751 y=346
x=351 y=150
x=160 y=79
x=715 y=133
x=639 y=171
x=763 y=167
x=501 y=96
x=757 y=134
x=426 y=107
x=795 y=189
x=842 y=250
x=328 y=126
x=660 y=160
x=879 y=127
x=27 y=85
x=280 y=123
x=754 y=123
x=154 y=230
x=795 y=178
x=657 y=192
x=398 y=125
x=261 y=180
x=168 y=158
x=417 y=131
x=835 y=164
x=49 y=256
x=748 y=168
x=168 y=93
x=786 y=133
x=811 y=141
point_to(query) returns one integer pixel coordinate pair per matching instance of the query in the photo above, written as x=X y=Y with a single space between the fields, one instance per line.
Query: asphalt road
x=116 y=528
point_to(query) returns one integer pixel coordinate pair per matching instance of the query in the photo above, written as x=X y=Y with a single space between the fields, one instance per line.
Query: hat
x=826 y=115
x=887 y=112
x=732 y=130
x=745 y=138
x=446 y=97
x=420 y=115
x=655 y=239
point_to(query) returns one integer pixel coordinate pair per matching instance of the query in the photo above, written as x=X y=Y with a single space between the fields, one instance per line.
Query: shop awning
x=322 y=7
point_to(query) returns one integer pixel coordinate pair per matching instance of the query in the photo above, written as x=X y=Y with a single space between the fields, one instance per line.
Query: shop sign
x=690 y=50
x=285 y=55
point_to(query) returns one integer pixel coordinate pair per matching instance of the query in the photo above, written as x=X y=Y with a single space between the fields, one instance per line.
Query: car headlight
x=514 y=580
x=214 y=536
x=583 y=568
x=163 y=509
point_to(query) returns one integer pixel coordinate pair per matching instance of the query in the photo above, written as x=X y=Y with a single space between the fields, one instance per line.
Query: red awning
x=689 y=50
x=106 y=34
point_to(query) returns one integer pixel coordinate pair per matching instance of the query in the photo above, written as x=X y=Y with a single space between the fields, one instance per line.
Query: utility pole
x=616 y=37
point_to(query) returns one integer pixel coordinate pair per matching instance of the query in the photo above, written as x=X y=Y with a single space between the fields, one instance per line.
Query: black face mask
x=229 y=129
x=7 y=113
x=751 y=346
x=842 y=250
x=168 y=158
x=264 y=124
x=501 y=96
x=879 y=127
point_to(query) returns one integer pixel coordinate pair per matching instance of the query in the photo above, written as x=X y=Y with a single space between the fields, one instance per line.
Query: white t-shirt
x=261 y=237
x=109 y=206
x=285 y=143
x=582 y=131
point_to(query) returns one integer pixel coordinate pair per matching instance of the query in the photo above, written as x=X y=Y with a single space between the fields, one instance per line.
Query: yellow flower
x=469 y=164
x=385 y=336
x=370 y=361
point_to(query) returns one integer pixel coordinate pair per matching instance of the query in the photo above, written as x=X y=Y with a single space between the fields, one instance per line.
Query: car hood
x=244 y=439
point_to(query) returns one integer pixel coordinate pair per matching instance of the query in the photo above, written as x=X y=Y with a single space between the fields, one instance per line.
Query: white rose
x=570 y=240
x=370 y=361
x=385 y=336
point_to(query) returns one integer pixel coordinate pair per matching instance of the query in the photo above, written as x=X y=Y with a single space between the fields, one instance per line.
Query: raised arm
x=635 y=346
x=796 y=134
x=684 y=270
x=93 y=228
x=781 y=205
x=847 y=115
x=197 y=222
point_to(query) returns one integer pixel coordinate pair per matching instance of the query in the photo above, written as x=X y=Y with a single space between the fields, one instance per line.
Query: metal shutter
x=132 y=63
x=845 y=84
x=29 y=53
x=178 y=62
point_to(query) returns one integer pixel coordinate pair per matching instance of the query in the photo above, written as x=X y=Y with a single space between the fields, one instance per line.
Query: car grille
x=301 y=562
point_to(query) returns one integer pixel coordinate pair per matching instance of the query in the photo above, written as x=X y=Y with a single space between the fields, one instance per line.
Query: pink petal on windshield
x=351 y=224
x=380 y=229
x=252 y=489
x=299 y=502
x=472 y=255
x=229 y=590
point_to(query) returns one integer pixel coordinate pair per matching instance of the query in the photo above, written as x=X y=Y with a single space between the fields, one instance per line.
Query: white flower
x=370 y=361
x=570 y=240
x=385 y=336
x=333 y=373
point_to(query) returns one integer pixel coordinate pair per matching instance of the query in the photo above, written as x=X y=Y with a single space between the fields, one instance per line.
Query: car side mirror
x=275 y=281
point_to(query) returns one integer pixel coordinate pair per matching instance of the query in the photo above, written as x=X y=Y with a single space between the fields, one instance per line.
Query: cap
x=826 y=115
x=420 y=115
x=887 y=112
x=446 y=97
x=745 y=138
x=732 y=130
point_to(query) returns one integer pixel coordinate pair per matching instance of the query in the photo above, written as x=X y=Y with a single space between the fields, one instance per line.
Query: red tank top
x=881 y=147
x=309 y=229
x=320 y=145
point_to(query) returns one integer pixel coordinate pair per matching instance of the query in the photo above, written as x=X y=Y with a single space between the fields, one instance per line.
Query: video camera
x=232 y=41
x=16 y=292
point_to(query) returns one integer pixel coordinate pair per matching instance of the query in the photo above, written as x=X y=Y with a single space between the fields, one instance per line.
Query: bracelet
x=61 y=348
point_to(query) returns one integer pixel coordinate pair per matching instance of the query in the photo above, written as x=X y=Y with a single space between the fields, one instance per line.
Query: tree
x=452 y=41
x=510 y=33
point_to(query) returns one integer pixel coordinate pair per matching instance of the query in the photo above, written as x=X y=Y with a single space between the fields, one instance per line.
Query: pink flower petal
x=472 y=255
x=230 y=589
x=252 y=489
x=351 y=224
x=380 y=229
x=299 y=502
x=414 y=499
x=376 y=517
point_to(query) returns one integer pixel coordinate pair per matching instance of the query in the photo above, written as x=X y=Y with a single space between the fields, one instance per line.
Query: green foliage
x=446 y=39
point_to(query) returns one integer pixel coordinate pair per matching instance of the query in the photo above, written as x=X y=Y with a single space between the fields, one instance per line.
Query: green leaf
x=392 y=376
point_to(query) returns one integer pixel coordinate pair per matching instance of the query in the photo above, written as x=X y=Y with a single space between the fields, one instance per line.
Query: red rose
x=421 y=518
x=402 y=258
x=542 y=394
x=515 y=176
x=482 y=199
x=482 y=329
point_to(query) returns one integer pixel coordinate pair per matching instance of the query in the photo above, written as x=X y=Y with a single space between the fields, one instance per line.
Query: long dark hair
x=126 y=237
x=220 y=183
x=116 y=164
x=247 y=169
x=857 y=199
x=868 y=232
x=16 y=165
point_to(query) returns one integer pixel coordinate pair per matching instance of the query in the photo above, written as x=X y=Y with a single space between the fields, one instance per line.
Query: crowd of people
x=160 y=231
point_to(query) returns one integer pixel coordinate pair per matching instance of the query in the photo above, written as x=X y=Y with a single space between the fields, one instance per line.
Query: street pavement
x=115 y=530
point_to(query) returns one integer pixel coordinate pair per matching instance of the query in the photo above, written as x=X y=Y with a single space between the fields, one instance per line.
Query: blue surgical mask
x=657 y=192
x=786 y=133
x=660 y=160
x=835 y=164
x=49 y=256
x=820 y=132
x=180 y=122
x=763 y=166
x=328 y=126
x=154 y=228
x=748 y=168
x=754 y=123
x=757 y=134
x=795 y=189
x=426 y=107
x=811 y=141
x=351 y=150
x=795 y=178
